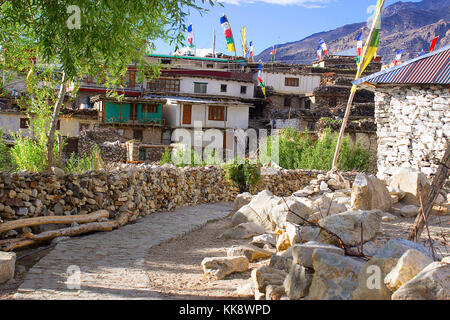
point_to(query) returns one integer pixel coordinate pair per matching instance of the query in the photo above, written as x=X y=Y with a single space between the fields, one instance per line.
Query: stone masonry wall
x=142 y=188
x=413 y=124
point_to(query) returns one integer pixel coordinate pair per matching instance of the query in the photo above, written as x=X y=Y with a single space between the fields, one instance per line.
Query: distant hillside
x=405 y=25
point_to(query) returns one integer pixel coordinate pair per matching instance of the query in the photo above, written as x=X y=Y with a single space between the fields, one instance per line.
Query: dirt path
x=172 y=269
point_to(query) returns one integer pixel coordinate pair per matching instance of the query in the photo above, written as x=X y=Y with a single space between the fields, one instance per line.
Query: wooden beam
x=442 y=174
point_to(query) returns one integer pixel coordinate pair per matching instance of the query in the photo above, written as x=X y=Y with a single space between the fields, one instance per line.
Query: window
x=164 y=85
x=287 y=101
x=223 y=88
x=243 y=89
x=216 y=113
x=137 y=135
x=166 y=61
x=291 y=82
x=58 y=125
x=308 y=104
x=90 y=79
x=24 y=124
x=332 y=103
x=200 y=87
x=150 y=108
x=209 y=66
x=132 y=79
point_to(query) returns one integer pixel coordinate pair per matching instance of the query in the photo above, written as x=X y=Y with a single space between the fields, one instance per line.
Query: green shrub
x=245 y=175
x=5 y=159
x=85 y=163
x=298 y=150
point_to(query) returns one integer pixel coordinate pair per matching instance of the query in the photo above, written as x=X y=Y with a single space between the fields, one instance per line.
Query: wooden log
x=18 y=244
x=439 y=179
x=81 y=229
x=29 y=222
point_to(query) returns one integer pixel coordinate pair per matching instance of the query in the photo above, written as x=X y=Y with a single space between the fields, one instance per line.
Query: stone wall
x=142 y=188
x=413 y=124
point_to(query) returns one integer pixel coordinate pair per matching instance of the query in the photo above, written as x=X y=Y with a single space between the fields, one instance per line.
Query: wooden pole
x=439 y=179
x=353 y=90
x=214 y=43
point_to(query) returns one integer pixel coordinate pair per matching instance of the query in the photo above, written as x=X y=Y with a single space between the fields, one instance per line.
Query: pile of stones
x=321 y=243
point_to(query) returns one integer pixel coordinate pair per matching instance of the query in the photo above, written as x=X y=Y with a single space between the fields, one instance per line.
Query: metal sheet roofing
x=431 y=68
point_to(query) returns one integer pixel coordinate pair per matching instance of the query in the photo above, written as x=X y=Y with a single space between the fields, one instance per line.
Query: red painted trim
x=128 y=93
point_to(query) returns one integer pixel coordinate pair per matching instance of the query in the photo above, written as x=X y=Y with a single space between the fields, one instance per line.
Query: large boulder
x=291 y=210
x=327 y=206
x=264 y=276
x=251 y=252
x=280 y=262
x=7 y=266
x=409 y=181
x=244 y=230
x=297 y=283
x=241 y=200
x=395 y=248
x=408 y=266
x=257 y=210
x=347 y=226
x=409 y=211
x=220 y=267
x=368 y=192
x=370 y=280
x=302 y=253
x=335 y=276
x=267 y=239
x=432 y=283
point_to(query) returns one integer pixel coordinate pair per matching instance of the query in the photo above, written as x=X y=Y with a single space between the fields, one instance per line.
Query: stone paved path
x=112 y=264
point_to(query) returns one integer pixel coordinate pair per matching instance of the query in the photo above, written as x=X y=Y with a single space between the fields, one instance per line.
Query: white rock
x=7 y=266
x=409 y=211
x=408 y=266
x=432 y=283
x=302 y=253
x=220 y=267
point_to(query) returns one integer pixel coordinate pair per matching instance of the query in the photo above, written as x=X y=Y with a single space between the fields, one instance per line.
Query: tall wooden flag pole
x=366 y=57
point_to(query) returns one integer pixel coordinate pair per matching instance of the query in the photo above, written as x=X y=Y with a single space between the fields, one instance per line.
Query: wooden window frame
x=131 y=79
x=164 y=85
x=216 y=113
x=24 y=123
x=201 y=83
x=90 y=79
x=291 y=82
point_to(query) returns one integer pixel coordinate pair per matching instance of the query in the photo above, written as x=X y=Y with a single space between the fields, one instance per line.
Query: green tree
x=79 y=37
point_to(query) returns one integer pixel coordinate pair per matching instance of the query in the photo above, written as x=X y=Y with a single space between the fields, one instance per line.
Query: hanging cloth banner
x=190 y=36
x=371 y=46
x=398 y=57
x=244 y=42
x=359 y=46
x=324 y=47
x=227 y=31
x=261 y=83
x=319 y=52
x=251 y=49
x=433 y=44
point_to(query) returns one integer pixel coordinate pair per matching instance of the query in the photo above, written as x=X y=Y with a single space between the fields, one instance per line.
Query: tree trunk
x=36 y=221
x=52 y=130
x=429 y=198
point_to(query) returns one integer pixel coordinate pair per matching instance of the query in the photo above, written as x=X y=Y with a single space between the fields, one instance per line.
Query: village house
x=412 y=112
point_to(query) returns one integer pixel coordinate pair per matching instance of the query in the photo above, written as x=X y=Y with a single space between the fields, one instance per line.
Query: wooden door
x=187 y=113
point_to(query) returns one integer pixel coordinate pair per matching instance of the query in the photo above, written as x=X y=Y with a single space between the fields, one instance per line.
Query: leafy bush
x=298 y=150
x=5 y=159
x=245 y=175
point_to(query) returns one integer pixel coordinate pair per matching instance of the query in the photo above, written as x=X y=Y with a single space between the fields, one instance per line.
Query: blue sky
x=270 y=21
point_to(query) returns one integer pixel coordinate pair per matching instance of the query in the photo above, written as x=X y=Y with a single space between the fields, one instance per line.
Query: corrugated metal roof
x=432 y=68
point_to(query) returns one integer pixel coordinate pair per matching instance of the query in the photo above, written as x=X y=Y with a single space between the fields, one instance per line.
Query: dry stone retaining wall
x=142 y=188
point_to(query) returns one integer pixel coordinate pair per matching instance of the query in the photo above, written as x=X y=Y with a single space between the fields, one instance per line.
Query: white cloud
x=303 y=3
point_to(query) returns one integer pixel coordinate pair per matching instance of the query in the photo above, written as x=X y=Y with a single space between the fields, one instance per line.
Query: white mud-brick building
x=412 y=112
